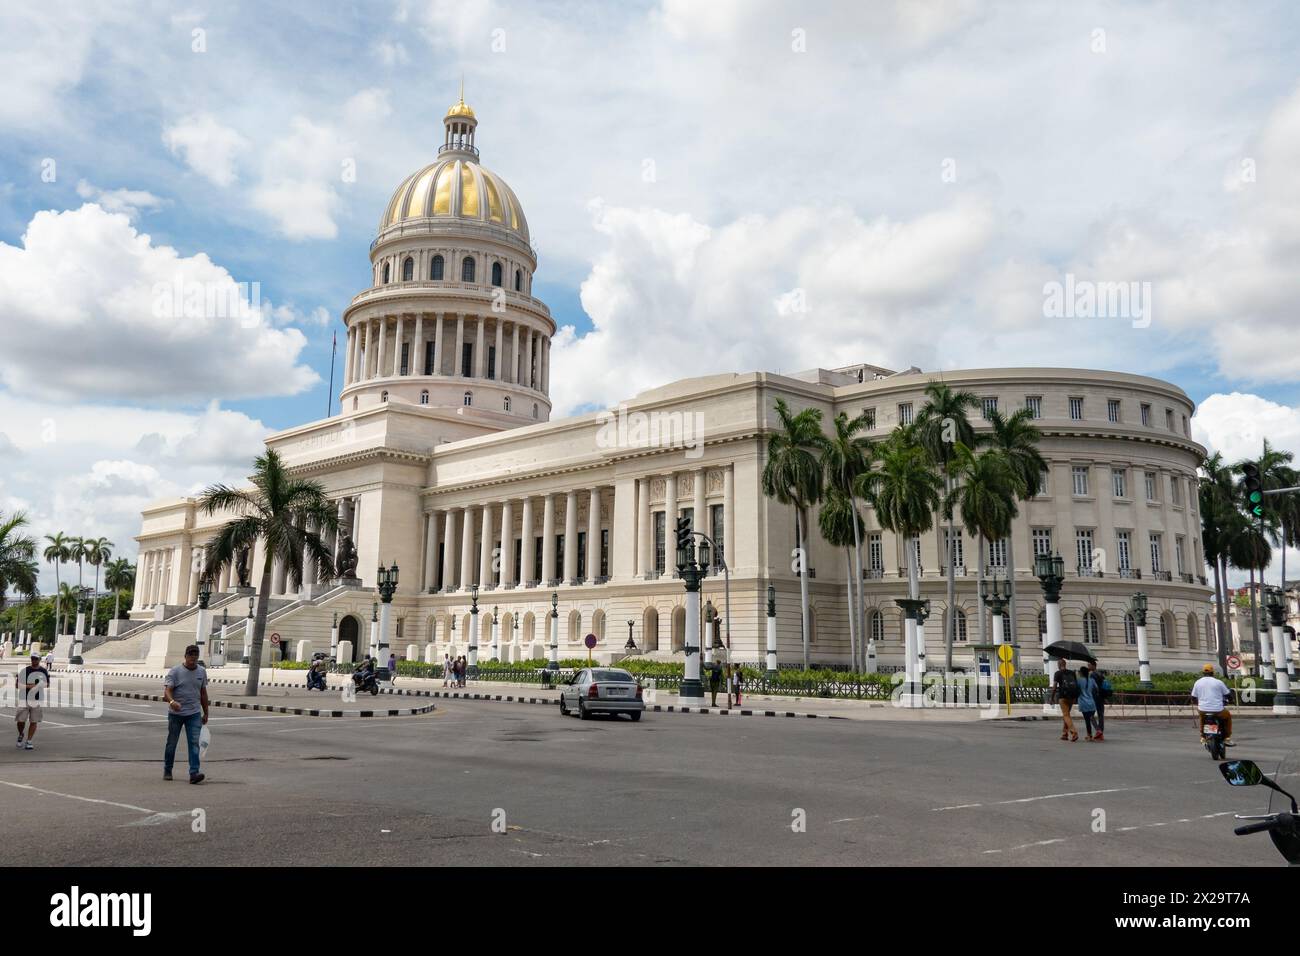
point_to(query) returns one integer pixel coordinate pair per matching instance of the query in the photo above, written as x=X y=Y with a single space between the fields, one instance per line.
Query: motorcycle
x=1283 y=826
x=366 y=682
x=1212 y=736
x=316 y=680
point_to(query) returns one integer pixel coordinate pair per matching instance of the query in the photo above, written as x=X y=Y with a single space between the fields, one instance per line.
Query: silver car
x=602 y=690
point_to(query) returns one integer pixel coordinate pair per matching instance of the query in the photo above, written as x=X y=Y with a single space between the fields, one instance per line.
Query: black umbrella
x=1069 y=651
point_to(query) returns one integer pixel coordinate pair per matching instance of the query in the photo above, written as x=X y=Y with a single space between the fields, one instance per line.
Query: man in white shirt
x=1211 y=696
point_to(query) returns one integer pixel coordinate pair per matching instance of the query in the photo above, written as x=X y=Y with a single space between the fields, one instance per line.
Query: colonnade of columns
x=375 y=349
x=483 y=545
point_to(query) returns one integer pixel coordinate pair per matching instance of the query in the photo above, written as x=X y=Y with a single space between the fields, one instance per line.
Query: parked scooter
x=1283 y=826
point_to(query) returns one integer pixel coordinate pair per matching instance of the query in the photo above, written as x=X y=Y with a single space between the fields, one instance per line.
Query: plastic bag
x=205 y=738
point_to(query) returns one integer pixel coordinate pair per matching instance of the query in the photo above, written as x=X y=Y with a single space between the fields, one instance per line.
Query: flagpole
x=334 y=349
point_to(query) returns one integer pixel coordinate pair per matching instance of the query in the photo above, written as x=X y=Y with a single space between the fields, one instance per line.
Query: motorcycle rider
x=1210 y=695
x=364 y=672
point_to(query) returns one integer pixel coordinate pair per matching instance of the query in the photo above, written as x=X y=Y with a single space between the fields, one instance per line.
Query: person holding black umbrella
x=1065 y=691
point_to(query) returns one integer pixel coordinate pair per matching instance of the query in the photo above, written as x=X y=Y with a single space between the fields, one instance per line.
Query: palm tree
x=793 y=477
x=1220 y=523
x=844 y=456
x=941 y=425
x=1016 y=438
x=56 y=552
x=69 y=597
x=986 y=498
x=119 y=574
x=98 y=550
x=1274 y=473
x=1251 y=550
x=839 y=522
x=278 y=509
x=17 y=569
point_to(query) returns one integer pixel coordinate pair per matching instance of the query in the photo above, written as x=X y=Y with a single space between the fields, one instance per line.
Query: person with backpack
x=1089 y=691
x=1065 y=691
x=1104 y=690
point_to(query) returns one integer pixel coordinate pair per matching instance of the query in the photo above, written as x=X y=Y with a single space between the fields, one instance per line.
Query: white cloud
x=207 y=147
x=129 y=201
x=1237 y=423
x=390 y=53
x=87 y=278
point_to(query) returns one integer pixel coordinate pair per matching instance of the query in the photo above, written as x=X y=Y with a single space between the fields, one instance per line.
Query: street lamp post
x=1284 y=702
x=692 y=571
x=201 y=625
x=248 y=632
x=514 y=628
x=334 y=638
x=471 y=664
x=706 y=641
x=496 y=634
x=553 y=663
x=922 y=615
x=771 y=632
x=1050 y=570
x=387 y=583
x=225 y=629
x=912 y=695
x=630 y=646
x=996 y=594
x=1138 y=608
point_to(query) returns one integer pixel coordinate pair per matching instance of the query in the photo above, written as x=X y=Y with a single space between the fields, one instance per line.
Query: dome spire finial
x=460 y=123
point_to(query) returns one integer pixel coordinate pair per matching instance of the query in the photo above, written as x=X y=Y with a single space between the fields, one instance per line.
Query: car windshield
x=612 y=674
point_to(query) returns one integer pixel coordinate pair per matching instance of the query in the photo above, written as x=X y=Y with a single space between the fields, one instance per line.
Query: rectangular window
x=406 y=358
x=1112 y=410
x=1076 y=409
x=604 y=552
x=1146 y=414
x=998 y=553
x=492 y=361
x=905 y=413
x=1042 y=538
x=466 y=359
x=1118 y=483
x=1080 y=476
x=582 y=555
x=1169 y=419
x=659 y=520
x=958 y=558
x=519 y=556
x=1043 y=489
x=717 y=532
x=428 y=358
x=1122 y=550
x=1149 y=479
x=875 y=551
x=1186 y=430
x=559 y=557
x=1035 y=405
x=1156 y=564
x=1178 y=553
x=870 y=416
x=988 y=406
x=537 y=558
x=1176 y=491
x=1083 y=548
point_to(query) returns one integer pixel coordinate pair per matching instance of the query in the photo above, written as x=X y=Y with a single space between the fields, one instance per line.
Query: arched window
x=383 y=396
x=507 y=403
x=959 y=631
x=1211 y=635
x=876 y=625
x=435 y=270
x=519 y=281
x=1091 y=628
x=575 y=626
x=1164 y=631
x=1130 y=630
x=496 y=273
x=812 y=625
x=467 y=269
x=385 y=273
x=424 y=397
x=354 y=403
x=534 y=409
x=598 y=625
x=408 y=269
x=1192 y=640
x=469 y=399
x=650 y=630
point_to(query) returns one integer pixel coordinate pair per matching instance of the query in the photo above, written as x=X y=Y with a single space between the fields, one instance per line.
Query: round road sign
x=275 y=638
x=1005 y=653
x=1006 y=669
x=590 y=641
x=1234 y=662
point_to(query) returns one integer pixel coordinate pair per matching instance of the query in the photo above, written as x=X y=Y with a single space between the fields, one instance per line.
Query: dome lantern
x=459 y=123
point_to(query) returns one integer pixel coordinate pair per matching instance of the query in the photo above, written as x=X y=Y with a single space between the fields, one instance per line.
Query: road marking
x=73 y=796
x=1046 y=796
x=1025 y=846
x=1165 y=823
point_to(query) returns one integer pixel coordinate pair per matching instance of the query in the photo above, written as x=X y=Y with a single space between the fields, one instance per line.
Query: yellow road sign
x=1006 y=669
x=1005 y=653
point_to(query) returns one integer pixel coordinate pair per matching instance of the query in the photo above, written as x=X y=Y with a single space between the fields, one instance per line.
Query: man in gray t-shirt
x=185 y=689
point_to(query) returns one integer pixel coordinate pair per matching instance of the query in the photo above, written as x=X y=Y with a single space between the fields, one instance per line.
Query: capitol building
x=445 y=461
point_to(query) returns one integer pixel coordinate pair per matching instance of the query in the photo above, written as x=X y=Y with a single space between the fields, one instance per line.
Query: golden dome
x=461 y=108
x=456 y=188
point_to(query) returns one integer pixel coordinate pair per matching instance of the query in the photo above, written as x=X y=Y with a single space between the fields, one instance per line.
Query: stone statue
x=241 y=567
x=346 y=561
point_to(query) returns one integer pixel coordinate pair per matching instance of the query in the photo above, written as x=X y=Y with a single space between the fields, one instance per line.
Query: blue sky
x=688 y=172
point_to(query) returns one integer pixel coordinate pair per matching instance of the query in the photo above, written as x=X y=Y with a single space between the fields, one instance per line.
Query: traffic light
x=683 y=534
x=1254 y=490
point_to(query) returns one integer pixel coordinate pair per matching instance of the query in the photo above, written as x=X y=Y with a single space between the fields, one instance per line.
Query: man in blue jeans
x=185 y=689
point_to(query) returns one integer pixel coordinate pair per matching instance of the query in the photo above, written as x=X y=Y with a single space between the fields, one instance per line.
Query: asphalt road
x=672 y=789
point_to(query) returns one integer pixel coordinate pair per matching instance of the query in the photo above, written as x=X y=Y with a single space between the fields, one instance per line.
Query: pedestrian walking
x=446 y=670
x=1088 y=694
x=31 y=682
x=1104 y=690
x=392 y=667
x=49 y=661
x=736 y=675
x=715 y=680
x=185 y=689
x=1065 y=691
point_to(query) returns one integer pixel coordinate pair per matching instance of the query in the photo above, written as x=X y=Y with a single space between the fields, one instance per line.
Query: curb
x=298 y=711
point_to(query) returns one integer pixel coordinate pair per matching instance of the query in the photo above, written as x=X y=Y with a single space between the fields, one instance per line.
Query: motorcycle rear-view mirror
x=1241 y=773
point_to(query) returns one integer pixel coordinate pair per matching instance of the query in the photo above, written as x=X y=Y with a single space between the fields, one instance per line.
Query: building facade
x=444 y=461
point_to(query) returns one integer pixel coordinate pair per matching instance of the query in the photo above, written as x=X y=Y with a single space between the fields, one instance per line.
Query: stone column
x=700 y=512
x=437 y=345
x=644 y=533
x=593 y=536
x=514 y=356
x=670 y=519
x=347 y=357
x=380 y=371
x=137 y=598
x=480 y=352
x=528 y=359
x=548 y=540
x=545 y=371
x=728 y=515
x=467 y=549
x=431 y=551
x=507 y=578
x=397 y=345
x=527 y=571
x=417 y=347
x=460 y=339
x=485 y=554
x=571 y=538
x=371 y=348
x=501 y=358
x=450 y=578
